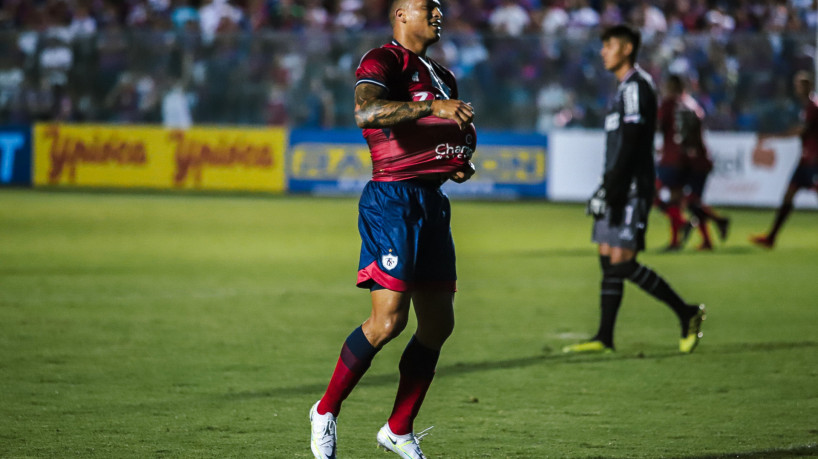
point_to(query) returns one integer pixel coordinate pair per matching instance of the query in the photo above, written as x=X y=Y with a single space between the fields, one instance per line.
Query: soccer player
x=419 y=135
x=621 y=204
x=688 y=117
x=806 y=174
x=672 y=165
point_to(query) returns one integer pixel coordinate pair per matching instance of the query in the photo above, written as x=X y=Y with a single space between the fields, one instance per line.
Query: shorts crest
x=389 y=261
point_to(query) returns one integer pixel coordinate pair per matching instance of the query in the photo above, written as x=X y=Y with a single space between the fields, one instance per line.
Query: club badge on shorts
x=389 y=261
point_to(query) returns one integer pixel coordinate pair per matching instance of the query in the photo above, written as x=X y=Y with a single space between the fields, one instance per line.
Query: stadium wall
x=199 y=158
x=15 y=155
x=741 y=175
x=563 y=166
x=511 y=166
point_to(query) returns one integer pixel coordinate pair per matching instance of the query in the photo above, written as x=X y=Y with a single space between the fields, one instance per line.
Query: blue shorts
x=805 y=176
x=671 y=176
x=406 y=240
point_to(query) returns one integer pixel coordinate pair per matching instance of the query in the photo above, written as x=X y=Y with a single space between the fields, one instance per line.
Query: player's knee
x=382 y=328
x=622 y=270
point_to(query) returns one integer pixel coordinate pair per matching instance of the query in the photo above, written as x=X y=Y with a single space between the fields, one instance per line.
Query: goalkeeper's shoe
x=406 y=446
x=694 y=331
x=588 y=347
x=323 y=436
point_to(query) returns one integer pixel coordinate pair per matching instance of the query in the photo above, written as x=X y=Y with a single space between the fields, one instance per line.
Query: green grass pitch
x=179 y=325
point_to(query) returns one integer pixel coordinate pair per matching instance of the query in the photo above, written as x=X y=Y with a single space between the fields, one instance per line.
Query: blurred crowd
x=532 y=64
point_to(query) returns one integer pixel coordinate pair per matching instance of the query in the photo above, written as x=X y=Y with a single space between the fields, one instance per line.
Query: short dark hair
x=627 y=33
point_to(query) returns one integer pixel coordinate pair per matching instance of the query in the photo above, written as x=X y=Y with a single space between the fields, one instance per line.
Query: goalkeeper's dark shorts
x=629 y=232
x=406 y=239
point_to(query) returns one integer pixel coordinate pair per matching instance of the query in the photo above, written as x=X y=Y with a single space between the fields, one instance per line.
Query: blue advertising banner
x=15 y=155
x=509 y=166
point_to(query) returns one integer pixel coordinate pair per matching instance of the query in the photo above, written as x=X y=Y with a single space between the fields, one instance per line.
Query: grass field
x=162 y=325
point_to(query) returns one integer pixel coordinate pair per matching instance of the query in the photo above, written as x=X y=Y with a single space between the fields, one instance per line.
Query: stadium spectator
x=805 y=175
x=621 y=204
x=555 y=19
x=407 y=252
x=730 y=65
x=509 y=19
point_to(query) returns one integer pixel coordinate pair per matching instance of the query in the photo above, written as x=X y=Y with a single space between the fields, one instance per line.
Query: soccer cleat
x=406 y=446
x=589 y=346
x=723 y=226
x=694 y=331
x=323 y=438
x=762 y=241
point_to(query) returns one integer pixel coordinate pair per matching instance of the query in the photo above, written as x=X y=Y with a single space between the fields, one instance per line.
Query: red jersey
x=809 y=135
x=681 y=120
x=429 y=145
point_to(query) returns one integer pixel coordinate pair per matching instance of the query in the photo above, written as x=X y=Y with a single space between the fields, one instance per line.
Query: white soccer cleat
x=406 y=446
x=323 y=438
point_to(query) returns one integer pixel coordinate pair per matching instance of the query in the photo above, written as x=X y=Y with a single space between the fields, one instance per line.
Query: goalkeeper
x=621 y=204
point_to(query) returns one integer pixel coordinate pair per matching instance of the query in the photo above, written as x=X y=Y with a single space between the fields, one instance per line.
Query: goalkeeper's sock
x=356 y=356
x=652 y=283
x=417 y=368
x=610 y=298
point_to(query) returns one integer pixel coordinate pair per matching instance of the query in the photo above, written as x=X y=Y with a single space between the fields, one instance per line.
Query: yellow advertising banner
x=207 y=158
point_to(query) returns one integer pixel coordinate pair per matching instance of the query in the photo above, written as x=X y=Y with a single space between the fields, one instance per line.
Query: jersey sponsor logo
x=612 y=122
x=423 y=95
x=389 y=261
x=446 y=151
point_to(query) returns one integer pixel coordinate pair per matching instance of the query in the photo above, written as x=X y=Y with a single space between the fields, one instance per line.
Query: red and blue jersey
x=428 y=145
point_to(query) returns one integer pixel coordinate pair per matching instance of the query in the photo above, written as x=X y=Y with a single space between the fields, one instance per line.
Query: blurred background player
x=671 y=167
x=419 y=136
x=621 y=204
x=688 y=121
x=806 y=173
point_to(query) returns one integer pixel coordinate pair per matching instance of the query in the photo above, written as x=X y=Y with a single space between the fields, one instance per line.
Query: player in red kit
x=806 y=174
x=685 y=165
x=672 y=164
x=419 y=135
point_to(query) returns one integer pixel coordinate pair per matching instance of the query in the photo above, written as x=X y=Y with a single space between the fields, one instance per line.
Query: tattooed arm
x=373 y=110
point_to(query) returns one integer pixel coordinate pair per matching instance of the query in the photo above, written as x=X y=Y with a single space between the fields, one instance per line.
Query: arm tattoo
x=372 y=110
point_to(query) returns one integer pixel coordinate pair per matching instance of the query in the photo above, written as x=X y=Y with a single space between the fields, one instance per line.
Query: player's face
x=615 y=53
x=425 y=19
x=803 y=88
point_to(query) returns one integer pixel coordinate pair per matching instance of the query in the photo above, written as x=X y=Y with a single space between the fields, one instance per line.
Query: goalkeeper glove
x=597 y=206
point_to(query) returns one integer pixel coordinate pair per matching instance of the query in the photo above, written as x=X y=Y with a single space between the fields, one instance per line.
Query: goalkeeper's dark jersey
x=630 y=126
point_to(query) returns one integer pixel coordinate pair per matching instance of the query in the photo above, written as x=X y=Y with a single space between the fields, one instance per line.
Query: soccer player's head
x=803 y=84
x=674 y=85
x=620 y=45
x=422 y=19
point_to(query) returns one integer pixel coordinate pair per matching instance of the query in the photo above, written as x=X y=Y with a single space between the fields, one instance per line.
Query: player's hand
x=596 y=206
x=463 y=174
x=456 y=110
